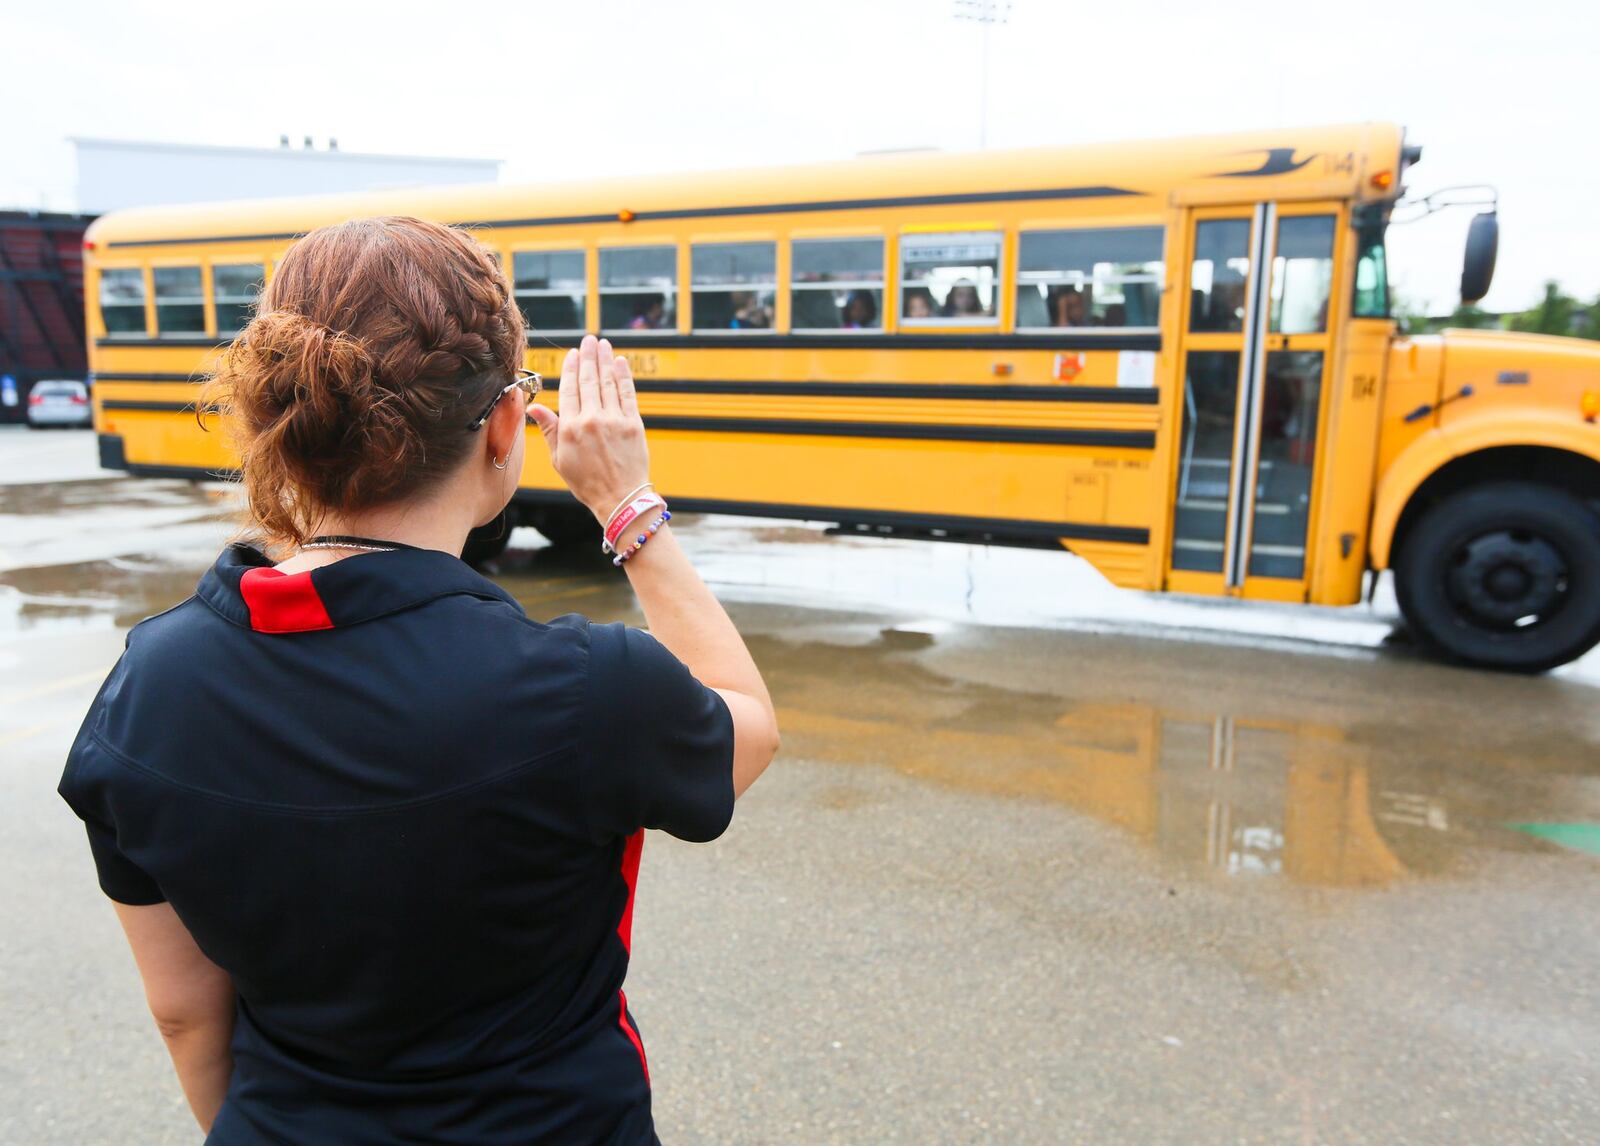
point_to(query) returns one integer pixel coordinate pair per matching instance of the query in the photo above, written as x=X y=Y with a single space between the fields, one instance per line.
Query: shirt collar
x=244 y=588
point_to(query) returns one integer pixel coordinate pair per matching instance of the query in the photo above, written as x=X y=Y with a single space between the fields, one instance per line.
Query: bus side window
x=122 y=300
x=1219 y=274
x=236 y=288
x=734 y=286
x=950 y=279
x=638 y=288
x=1302 y=274
x=836 y=284
x=550 y=289
x=180 y=301
x=1107 y=277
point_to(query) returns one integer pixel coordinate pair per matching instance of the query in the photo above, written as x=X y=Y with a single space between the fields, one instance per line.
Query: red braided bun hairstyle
x=375 y=344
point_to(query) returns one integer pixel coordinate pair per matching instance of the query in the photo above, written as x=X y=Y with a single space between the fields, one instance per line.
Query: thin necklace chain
x=347 y=545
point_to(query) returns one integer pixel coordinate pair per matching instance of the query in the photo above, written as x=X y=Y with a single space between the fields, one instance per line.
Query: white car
x=59 y=402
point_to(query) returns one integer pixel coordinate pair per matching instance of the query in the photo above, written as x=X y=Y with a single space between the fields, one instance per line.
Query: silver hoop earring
x=500 y=465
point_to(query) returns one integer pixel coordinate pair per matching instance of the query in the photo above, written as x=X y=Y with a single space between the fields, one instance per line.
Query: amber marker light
x=1590 y=405
x=1383 y=180
x=625 y=215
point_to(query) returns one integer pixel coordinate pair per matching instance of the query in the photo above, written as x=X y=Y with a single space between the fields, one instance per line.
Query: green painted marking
x=1583 y=837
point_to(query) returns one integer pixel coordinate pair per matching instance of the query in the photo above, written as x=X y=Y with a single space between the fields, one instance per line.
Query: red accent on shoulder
x=630 y=876
x=633 y=1035
x=283 y=602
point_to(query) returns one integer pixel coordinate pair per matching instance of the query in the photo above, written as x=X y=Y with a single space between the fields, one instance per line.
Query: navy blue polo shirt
x=406 y=819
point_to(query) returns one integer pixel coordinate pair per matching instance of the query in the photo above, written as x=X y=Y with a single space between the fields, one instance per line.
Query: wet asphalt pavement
x=1040 y=862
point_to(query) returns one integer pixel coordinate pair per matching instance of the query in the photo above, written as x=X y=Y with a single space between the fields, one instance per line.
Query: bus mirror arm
x=1409 y=210
x=1427 y=408
x=1483 y=235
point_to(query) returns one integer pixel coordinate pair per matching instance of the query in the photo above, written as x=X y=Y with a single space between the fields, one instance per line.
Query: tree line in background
x=1556 y=313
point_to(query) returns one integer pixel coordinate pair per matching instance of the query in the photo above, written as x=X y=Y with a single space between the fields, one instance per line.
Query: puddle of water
x=118 y=592
x=1226 y=794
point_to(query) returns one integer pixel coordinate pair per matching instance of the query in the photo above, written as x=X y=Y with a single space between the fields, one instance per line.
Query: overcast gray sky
x=1500 y=93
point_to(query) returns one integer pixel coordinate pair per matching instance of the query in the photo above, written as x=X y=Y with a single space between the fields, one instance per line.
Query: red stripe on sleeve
x=284 y=603
x=630 y=876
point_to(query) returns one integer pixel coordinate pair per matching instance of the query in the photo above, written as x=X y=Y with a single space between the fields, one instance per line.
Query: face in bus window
x=749 y=313
x=919 y=303
x=860 y=311
x=648 y=314
x=1069 y=306
x=963 y=301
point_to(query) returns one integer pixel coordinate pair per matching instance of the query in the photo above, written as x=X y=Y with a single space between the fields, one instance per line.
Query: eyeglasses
x=528 y=381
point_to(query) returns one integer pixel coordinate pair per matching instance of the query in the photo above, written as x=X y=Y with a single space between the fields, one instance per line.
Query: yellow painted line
x=23 y=733
x=56 y=686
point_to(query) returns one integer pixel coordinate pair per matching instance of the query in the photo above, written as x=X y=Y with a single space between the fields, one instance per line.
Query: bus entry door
x=1255 y=350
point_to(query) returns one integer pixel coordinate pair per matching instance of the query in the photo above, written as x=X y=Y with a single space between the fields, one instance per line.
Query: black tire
x=1504 y=576
x=564 y=525
x=487 y=542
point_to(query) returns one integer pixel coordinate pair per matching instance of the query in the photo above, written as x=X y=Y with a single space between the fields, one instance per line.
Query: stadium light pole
x=988 y=13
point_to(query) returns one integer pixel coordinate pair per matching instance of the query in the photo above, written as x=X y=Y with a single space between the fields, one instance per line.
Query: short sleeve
x=657 y=744
x=87 y=788
x=120 y=878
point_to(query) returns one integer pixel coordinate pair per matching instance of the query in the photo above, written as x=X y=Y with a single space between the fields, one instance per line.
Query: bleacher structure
x=41 y=301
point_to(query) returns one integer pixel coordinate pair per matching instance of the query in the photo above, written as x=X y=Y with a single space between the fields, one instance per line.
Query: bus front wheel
x=1504 y=576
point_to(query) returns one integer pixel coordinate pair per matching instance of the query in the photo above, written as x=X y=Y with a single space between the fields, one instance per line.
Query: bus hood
x=1497 y=373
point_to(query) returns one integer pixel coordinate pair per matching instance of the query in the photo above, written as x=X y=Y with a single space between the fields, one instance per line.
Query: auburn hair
x=375 y=344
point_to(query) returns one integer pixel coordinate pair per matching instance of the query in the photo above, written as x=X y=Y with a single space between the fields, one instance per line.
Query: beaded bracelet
x=638 y=542
x=626 y=515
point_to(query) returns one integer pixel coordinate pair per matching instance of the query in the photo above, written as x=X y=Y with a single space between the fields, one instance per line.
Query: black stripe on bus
x=1030 y=435
x=170 y=340
x=1140 y=396
x=1025 y=435
x=161 y=407
x=1098 y=192
x=149 y=377
x=626 y=340
x=961 y=527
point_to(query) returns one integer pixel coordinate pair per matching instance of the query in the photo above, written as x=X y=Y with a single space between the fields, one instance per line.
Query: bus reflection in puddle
x=1260 y=799
x=1239 y=797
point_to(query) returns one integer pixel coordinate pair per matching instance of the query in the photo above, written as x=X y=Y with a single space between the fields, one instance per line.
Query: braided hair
x=352 y=385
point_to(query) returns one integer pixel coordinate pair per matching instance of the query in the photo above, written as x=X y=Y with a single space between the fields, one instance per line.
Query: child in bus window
x=919 y=303
x=860 y=311
x=748 y=312
x=963 y=301
x=1069 y=306
x=648 y=313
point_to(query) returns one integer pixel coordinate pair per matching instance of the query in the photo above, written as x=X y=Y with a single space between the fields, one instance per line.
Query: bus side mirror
x=1477 y=265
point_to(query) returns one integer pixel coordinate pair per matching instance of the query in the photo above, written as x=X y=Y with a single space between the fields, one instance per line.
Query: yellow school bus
x=1174 y=359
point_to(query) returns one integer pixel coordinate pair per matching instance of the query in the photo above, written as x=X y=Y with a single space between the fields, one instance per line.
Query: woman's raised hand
x=597 y=441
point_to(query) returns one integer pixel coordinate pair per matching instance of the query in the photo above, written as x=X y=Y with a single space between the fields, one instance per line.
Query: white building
x=115 y=173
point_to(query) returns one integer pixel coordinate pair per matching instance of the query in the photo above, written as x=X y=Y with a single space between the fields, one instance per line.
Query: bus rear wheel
x=487 y=542
x=563 y=524
x=1504 y=576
